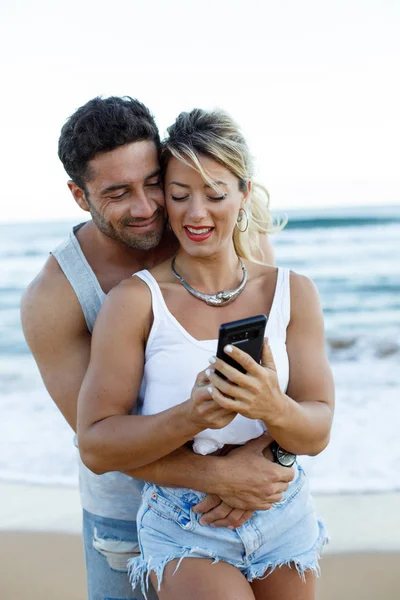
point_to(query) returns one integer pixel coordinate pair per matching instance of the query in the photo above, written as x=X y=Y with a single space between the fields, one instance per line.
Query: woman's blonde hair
x=216 y=135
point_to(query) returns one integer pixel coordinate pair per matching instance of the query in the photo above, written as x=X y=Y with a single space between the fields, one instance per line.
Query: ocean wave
x=68 y=481
x=339 y=218
x=359 y=347
x=327 y=223
x=23 y=253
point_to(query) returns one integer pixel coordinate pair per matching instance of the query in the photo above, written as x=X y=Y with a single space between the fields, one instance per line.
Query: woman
x=162 y=325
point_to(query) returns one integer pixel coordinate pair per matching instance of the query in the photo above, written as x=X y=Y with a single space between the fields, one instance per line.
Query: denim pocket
x=170 y=507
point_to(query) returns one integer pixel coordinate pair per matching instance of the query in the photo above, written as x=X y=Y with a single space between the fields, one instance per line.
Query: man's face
x=125 y=195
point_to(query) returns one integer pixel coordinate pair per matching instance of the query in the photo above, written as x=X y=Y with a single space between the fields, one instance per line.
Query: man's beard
x=146 y=240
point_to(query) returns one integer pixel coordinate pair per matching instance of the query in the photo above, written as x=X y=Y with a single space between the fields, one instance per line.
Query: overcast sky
x=315 y=86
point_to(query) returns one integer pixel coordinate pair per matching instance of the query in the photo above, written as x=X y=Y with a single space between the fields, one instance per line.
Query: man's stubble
x=125 y=234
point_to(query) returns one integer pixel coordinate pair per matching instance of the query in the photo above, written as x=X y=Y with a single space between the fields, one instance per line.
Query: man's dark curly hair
x=101 y=125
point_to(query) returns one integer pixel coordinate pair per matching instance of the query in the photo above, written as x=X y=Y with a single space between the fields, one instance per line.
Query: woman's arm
x=301 y=419
x=109 y=437
x=305 y=420
x=108 y=434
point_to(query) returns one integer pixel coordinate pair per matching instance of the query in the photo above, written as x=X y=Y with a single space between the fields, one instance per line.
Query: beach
x=42 y=558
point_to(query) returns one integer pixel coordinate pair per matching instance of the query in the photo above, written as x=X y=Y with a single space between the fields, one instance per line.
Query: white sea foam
x=364 y=451
x=36 y=444
x=35 y=440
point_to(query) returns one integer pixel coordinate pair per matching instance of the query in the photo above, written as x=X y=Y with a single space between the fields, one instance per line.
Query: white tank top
x=173 y=359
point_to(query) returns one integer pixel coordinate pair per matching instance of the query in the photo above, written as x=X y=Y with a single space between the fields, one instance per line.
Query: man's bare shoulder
x=50 y=302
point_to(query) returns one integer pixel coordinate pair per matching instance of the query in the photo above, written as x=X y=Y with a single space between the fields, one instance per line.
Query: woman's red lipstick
x=204 y=233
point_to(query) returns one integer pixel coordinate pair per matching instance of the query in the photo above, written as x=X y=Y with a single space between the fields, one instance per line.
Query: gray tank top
x=112 y=495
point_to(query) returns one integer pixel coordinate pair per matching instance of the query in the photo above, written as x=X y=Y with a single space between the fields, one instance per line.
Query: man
x=109 y=147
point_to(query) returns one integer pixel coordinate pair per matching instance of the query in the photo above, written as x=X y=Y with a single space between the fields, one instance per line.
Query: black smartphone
x=246 y=334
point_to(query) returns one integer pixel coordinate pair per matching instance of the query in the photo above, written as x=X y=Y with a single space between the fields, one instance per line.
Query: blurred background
x=316 y=90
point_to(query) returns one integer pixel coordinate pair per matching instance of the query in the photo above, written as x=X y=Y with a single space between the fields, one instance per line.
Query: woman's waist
x=175 y=502
x=190 y=496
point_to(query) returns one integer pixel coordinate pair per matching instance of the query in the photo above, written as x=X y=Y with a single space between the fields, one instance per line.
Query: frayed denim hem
x=308 y=561
x=139 y=570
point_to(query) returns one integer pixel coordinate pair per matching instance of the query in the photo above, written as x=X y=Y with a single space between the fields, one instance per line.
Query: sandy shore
x=41 y=554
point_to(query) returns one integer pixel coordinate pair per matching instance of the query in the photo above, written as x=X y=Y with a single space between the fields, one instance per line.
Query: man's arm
x=245 y=478
x=57 y=335
x=237 y=484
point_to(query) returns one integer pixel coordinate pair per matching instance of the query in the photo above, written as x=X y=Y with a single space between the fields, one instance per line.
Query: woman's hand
x=205 y=412
x=300 y=419
x=256 y=394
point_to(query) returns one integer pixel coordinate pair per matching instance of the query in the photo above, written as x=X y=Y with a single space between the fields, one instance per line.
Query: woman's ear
x=247 y=193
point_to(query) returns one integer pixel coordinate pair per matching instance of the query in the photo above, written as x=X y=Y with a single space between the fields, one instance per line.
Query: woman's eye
x=217 y=197
x=179 y=198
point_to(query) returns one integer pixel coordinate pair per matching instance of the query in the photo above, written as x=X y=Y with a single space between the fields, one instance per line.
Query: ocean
x=353 y=256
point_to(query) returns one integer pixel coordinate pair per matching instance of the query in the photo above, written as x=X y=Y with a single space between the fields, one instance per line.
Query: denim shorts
x=288 y=533
x=109 y=544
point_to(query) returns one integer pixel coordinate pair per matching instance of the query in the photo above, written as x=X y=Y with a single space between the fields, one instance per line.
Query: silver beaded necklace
x=221 y=298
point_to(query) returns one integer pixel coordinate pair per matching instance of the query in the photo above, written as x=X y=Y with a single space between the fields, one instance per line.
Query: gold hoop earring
x=242 y=215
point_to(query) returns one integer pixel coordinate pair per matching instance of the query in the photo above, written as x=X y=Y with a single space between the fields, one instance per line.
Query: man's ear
x=79 y=195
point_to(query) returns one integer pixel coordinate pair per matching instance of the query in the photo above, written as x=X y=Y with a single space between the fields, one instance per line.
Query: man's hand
x=249 y=481
x=217 y=513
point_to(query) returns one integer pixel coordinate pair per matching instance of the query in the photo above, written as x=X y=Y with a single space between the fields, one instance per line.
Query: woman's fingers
x=229 y=404
x=202 y=378
x=231 y=373
x=213 y=415
x=267 y=359
x=245 y=360
x=228 y=388
x=202 y=408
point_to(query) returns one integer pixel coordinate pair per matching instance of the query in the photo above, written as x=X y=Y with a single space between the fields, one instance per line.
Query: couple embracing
x=225 y=511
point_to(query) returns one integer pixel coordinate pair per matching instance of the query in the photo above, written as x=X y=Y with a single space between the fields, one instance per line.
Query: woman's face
x=202 y=218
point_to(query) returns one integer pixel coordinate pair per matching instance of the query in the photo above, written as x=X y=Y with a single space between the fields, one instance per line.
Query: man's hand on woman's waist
x=248 y=481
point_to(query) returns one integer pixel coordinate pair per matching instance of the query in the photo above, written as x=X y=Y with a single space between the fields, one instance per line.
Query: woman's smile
x=198 y=234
